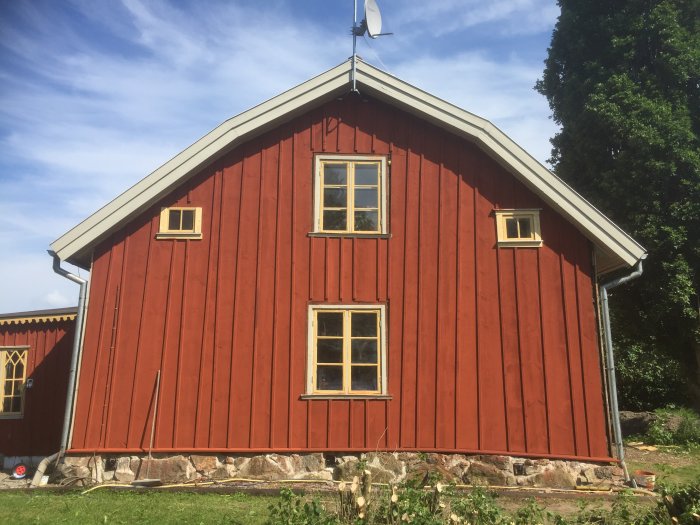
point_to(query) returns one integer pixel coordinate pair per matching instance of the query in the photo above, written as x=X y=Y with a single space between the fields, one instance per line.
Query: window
x=12 y=376
x=347 y=350
x=350 y=195
x=180 y=223
x=518 y=228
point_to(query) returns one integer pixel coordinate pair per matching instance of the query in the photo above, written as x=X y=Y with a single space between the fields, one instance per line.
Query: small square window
x=350 y=195
x=180 y=223
x=13 y=374
x=518 y=228
x=347 y=354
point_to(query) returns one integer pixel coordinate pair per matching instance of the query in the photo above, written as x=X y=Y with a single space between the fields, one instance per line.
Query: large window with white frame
x=350 y=195
x=347 y=350
x=13 y=374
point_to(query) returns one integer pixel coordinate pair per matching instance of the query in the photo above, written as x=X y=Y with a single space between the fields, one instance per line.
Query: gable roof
x=614 y=248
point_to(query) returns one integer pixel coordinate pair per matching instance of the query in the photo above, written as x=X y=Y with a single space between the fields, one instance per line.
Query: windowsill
x=519 y=244
x=11 y=416
x=351 y=235
x=194 y=236
x=383 y=397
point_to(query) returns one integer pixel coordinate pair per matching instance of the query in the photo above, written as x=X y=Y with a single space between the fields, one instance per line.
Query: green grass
x=105 y=507
x=672 y=465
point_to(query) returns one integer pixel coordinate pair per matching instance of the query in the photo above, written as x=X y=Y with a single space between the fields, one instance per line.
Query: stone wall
x=386 y=467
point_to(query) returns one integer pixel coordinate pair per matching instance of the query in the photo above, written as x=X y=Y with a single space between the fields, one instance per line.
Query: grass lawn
x=672 y=465
x=106 y=506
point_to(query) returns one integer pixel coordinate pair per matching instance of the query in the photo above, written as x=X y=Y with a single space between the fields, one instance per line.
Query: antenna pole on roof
x=371 y=24
x=354 y=45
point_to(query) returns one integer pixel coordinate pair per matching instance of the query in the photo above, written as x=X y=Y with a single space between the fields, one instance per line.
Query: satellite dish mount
x=371 y=24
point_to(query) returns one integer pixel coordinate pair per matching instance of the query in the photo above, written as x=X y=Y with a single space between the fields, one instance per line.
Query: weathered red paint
x=489 y=349
x=38 y=431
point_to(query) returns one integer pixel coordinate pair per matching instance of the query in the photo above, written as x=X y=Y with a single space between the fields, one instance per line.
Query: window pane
x=525 y=228
x=19 y=370
x=364 y=351
x=8 y=388
x=329 y=351
x=335 y=220
x=7 y=404
x=329 y=323
x=335 y=174
x=364 y=324
x=512 y=228
x=366 y=174
x=16 y=404
x=335 y=197
x=174 y=220
x=363 y=378
x=366 y=221
x=366 y=198
x=188 y=220
x=329 y=378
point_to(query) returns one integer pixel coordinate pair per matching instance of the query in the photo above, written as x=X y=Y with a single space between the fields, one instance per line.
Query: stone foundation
x=386 y=467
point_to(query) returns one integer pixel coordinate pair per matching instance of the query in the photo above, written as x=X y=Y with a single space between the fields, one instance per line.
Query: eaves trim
x=75 y=244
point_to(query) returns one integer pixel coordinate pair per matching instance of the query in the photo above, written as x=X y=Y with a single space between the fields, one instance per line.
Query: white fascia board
x=177 y=170
x=594 y=224
x=610 y=239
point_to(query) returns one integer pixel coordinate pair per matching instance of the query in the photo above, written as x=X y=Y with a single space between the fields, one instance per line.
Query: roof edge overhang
x=39 y=316
x=613 y=247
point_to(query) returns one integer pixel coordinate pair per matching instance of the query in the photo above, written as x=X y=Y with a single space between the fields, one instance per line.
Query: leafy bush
x=479 y=508
x=675 y=426
x=647 y=378
x=293 y=510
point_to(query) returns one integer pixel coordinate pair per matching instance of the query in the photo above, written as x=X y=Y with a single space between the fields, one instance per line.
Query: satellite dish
x=373 y=18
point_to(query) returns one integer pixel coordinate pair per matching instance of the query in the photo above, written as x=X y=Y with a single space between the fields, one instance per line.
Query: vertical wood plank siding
x=488 y=349
x=38 y=431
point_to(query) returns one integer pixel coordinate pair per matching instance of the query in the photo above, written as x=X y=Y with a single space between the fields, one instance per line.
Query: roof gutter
x=610 y=364
x=79 y=322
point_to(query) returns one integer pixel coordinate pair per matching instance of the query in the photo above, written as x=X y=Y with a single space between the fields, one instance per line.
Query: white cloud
x=96 y=95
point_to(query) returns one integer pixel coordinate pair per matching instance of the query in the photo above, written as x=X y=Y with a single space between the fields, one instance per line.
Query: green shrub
x=479 y=508
x=647 y=378
x=293 y=510
x=675 y=426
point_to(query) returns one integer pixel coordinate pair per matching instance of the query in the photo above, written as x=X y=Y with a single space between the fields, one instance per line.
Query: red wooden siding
x=38 y=431
x=488 y=349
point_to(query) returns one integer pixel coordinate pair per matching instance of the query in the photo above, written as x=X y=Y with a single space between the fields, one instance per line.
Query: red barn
x=34 y=360
x=334 y=271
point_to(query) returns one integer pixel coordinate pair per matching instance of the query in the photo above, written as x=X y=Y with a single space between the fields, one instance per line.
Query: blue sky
x=96 y=94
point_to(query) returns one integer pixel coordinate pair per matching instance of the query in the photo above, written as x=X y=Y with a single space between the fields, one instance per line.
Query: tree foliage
x=623 y=81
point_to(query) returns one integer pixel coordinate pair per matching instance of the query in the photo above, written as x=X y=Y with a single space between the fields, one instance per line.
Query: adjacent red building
x=34 y=360
x=340 y=271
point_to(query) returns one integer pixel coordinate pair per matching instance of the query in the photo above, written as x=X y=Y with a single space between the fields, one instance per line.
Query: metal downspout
x=67 y=417
x=610 y=363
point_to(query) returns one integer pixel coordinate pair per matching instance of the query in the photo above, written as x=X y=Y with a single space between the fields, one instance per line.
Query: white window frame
x=318 y=196
x=533 y=214
x=3 y=351
x=311 y=353
x=164 y=231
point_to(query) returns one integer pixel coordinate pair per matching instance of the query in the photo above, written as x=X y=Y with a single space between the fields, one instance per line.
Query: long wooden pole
x=153 y=423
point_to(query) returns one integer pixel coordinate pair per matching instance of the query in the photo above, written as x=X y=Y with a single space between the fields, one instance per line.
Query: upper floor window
x=184 y=223
x=347 y=350
x=518 y=227
x=350 y=195
x=13 y=373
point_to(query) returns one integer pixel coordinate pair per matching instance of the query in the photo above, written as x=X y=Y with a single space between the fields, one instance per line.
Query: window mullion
x=347 y=331
x=351 y=196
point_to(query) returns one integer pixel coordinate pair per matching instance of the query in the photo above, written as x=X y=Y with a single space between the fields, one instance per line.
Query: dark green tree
x=623 y=81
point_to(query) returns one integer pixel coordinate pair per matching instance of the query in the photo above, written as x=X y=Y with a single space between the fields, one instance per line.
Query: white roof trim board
x=614 y=248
